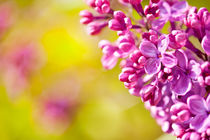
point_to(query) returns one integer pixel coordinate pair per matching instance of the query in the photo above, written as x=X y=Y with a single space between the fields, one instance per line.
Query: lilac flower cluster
x=166 y=70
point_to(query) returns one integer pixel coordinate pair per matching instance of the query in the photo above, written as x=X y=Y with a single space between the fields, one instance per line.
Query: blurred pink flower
x=56 y=113
x=58 y=105
x=18 y=66
x=6 y=17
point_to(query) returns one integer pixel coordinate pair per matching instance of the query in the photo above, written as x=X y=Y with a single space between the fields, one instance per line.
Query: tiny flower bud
x=87 y=17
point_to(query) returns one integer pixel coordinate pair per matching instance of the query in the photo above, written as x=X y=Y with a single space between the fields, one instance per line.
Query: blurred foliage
x=105 y=110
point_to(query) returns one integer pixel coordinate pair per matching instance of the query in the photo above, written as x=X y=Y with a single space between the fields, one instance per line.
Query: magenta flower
x=90 y=3
x=87 y=17
x=109 y=60
x=181 y=83
x=151 y=36
x=206 y=44
x=156 y=55
x=192 y=20
x=120 y=22
x=169 y=72
x=172 y=13
x=95 y=28
x=151 y=93
x=190 y=136
x=200 y=24
x=165 y=75
x=180 y=112
x=135 y=1
x=154 y=1
x=204 y=78
x=201 y=109
x=184 y=73
x=198 y=20
x=151 y=11
x=124 y=2
x=177 y=39
x=175 y=12
x=126 y=45
x=102 y=6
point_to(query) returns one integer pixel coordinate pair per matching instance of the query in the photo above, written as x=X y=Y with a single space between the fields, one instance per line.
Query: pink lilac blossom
x=58 y=105
x=56 y=112
x=166 y=70
x=18 y=66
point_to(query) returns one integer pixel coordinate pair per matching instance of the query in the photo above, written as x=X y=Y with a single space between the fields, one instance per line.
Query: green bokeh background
x=106 y=111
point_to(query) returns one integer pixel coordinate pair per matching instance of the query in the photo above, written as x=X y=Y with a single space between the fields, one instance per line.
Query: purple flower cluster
x=166 y=70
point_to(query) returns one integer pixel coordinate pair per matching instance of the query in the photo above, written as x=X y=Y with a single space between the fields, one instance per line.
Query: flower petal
x=109 y=61
x=206 y=124
x=148 y=49
x=169 y=60
x=208 y=102
x=207 y=23
x=195 y=69
x=156 y=97
x=180 y=6
x=197 y=89
x=198 y=121
x=182 y=59
x=158 y=24
x=163 y=43
x=181 y=84
x=152 y=66
x=178 y=11
x=206 y=44
x=165 y=9
x=196 y=105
